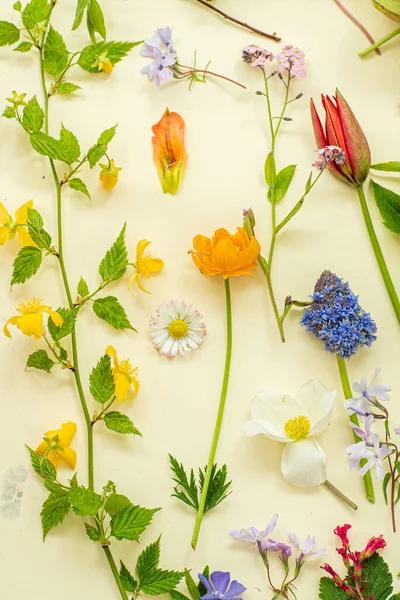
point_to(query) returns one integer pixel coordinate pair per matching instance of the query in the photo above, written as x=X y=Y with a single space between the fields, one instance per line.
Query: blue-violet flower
x=218 y=586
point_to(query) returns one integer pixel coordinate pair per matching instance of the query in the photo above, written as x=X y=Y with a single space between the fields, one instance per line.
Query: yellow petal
x=11 y=321
x=122 y=385
x=24 y=237
x=4 y=234
x=31 y=324
x=132 y=279
x=68 y=455
x=4 y=216
x=21 y=215
x=111 y=351
x=66 y=433
x=107 y=65
x=141 y=247
x=42 y=447
x=141 y=286
x=56 y=317
x=155 y=265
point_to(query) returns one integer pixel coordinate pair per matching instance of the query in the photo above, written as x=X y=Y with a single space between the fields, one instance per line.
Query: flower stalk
x=376 y=45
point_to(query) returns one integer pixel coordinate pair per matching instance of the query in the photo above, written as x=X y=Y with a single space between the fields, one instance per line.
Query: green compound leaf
x=55 y=53
x=97 y=151
x=69 y=315
x=42 y=465
x=23 y=47
x=33 y=116
x=35 y=229
x=40 y=360
x=26 y=264
x=110 y=310
x=388 y=203
x=116 y=51
x=115 y=503
x=54 y=510
x=120 y=423
x=9 y=33
x=67 y=88
x=36 y=13
x=129 y=523
x=127 y=579
x=101 y=381
x=79 y=186
x=85 y=503
x=114 y=264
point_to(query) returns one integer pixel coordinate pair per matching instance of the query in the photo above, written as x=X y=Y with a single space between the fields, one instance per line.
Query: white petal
x=254 y=428
x=304 y=463
x=272 y=410
x=323 y=414
x=317 y=404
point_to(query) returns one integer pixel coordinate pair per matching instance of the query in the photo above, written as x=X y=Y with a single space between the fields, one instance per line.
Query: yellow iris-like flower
x=125 y=376
x=145 y=265
x=30 y=318
x=10 y=227
x=55 y=445
x=109 y=175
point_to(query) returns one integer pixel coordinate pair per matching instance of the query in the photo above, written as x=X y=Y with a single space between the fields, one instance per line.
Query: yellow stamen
x=125 y=367
x=31 y=306
x=298 y=428
x=178 y=329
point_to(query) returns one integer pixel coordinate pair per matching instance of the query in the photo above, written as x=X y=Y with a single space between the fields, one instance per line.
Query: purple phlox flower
x=355 y=453
x=375 y=457
x=255 y=55
x=397 y=429
x=367 y=392
x=273 y=546
x=254 y=535
x=218 y=586
x=307 y=549
x=354 y=408
x=366 y=434
x=149 y=47
x=159 y=68
x=165 y=35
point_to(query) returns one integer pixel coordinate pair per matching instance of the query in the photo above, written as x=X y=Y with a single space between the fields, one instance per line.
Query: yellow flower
x=55 y=445
x=124 y=376
x=103 y=63
x=10 y=227
x=145 y=265
x=109 y=175
x=17 y=99
x=30 y=318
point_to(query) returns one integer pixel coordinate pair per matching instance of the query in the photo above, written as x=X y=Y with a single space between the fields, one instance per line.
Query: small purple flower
x=375 y=457
x=254 y=535
x=307 y=549
x=272 y=546
x=256 y=56
x=367 y=392
x=364 y=435
x=397 y=429
x=165 y=35
x=218 y=587
x=159 y=69
x=329 y=153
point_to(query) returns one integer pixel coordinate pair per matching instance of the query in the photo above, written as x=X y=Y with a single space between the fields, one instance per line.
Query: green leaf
x=63 y=353
x=79 y=186
x=33 y=116
x=46 y=145
x=329 y=591
x=114 y=264
x=69 y=146
x=390 y=8
x=26 y=264
x=36 y=12
x=35 y=229
x=96 y=17
x=101 y=381
x=92 y=533
x=175 y=595
x=386 y=480
x=83 y=289
x=9 y=112
x=97 y=151
x=189 y=493
x=17 y=6
x=53 y=486
x=23 y=47
x=110 y=310
x=80 y=11
x=387 y=166
x=120 y=423
x=217 y=488
x=69 y=315
x=388 y=203
x=379 y=580
x=160 y=582
x=201 y=588
x=283 y=181
x=270 y=170
x=55 y=53
x=9 y=33
x=127 y=579
x=40 y=360
x=54 y=510
x=116 y=51
x=130 y=522
x=84 y=502
x=42 y=465
x=191 y=586
x=67 y=88
x=115 y=503
x=148 y=561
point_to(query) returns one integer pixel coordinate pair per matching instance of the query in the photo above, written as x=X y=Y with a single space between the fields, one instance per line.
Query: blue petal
x=235 y=589
x=220 y=581
x=205 y=582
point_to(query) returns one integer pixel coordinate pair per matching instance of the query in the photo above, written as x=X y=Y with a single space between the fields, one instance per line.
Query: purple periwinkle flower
x=219 y=586
x=254 y=535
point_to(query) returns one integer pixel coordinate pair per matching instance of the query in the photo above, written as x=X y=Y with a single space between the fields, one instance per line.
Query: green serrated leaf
x=114 y=264
x=110 y=310
x=270 y=170
x=148 y=561
x=54 y=510
x=26 y=264
x=160 y=582
x=85 y=502
x=130 y=522
x=35 y=229
x=23 y=47
x=283 y=181
x=83 y=289
x=217 y=488
x=69 y=315
x=96 y=17
x=115 y=52
x=80 y=11
x=33 y=116
x=9 y=33
x=67 y=88
x=388 y=203
x=115 y=503
x=378 y=578
x=79 y=186
x=387 y=166
x=55 y=53
x=328 y=590
x=40 y=360
x=36 y=12
x=53 y=486
x=9 y=112
x=63 y=353
x=186 y=488
x=42 y=465
x=99 y=149
x=120 y=423
x=101 y=381
x=49 y=146
x=127 y=580
x=92 y=533
x=69 y=146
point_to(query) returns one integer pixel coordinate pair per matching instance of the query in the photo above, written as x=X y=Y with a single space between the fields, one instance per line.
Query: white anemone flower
x=295 y=422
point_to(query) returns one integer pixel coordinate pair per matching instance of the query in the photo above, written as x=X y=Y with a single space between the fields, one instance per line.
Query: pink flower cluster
x=327 y=154
x=256 y=56
x=291 y=59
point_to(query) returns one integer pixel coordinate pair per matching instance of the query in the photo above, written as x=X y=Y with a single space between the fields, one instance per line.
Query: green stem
x=220 y=415
x=114 y=570
x=391 y=290
x=266 y=267
x=344 y=378
x=270 y=119
x=379 y=43
x=340 y=495
x=287 y=85
x=298 y=205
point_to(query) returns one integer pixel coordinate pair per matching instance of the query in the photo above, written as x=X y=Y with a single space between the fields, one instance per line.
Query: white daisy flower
x=177 y=327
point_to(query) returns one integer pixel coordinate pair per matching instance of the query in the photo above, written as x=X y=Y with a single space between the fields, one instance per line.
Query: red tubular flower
x=341 y=531
x=342 y=129
x=374 y=544
x=337 y=579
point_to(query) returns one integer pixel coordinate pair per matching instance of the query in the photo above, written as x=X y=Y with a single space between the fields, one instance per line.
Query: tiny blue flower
x=336 y=317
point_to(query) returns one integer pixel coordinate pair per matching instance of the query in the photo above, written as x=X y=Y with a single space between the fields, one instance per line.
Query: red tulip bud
x=342 y=129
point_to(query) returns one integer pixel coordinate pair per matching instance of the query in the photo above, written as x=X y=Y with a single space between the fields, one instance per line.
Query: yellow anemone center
x=178 y=329
x=29 y=307
x=298 y=428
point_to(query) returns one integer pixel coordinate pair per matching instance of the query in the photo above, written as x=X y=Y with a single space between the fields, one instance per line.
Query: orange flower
x=169 y=150
x=226 y=254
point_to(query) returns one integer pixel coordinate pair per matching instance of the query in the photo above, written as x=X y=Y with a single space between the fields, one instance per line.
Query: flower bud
x=109 y=175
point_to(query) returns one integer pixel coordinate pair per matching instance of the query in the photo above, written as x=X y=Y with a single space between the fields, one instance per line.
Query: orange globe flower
x=226 y=254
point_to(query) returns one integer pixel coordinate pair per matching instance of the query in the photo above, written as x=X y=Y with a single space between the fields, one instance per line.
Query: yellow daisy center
x=29 y=307
x=298 y=428
x=178 y=329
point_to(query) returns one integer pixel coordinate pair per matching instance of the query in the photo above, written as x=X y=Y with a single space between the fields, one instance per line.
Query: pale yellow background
x=227 y=141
